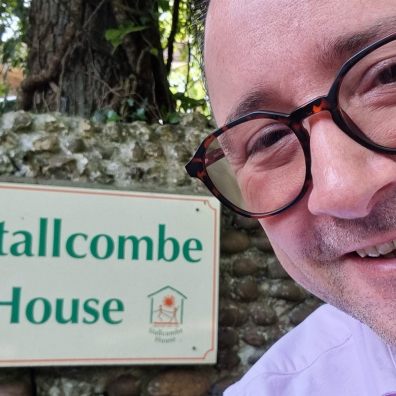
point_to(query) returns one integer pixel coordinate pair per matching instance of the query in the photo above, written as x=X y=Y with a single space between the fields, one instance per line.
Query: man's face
x=289 y=52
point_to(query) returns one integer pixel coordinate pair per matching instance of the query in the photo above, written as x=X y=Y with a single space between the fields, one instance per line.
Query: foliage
x=115 y=36
x=184 y=75
x=13 y=18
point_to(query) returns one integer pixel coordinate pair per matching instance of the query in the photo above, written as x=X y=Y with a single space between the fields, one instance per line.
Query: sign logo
x=166 y=314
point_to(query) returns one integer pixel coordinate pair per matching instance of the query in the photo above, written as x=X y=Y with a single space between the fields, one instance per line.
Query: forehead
x=284 y=47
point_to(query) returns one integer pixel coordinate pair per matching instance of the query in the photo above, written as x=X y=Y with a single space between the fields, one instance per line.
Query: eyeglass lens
x=259 y=165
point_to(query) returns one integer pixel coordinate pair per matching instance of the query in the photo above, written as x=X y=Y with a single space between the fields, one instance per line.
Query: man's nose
x=347 y=179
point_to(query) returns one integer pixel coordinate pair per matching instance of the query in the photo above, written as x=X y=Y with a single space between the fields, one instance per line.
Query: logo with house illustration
x=166 y=307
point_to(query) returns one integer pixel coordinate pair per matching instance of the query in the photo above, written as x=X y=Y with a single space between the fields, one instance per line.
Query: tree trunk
x=73 y=69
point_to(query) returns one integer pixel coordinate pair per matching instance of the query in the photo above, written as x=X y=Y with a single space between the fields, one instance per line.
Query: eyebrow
x=331 y=53
x=257 y=99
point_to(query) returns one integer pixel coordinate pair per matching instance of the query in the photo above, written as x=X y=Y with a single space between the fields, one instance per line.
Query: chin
x=379 y=315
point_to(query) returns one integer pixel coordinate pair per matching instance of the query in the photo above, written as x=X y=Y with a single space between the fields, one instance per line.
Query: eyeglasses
x=259 y=164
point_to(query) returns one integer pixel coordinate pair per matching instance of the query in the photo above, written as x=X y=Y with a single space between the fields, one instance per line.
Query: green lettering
x=161 y=245
x=2 y=232
x=94 y=246
x=14 y=304
x=187 y=249
x=31 y=308
x=107 y=309
x=135 y=246
x=43 y=225
x=70 y=245
x=59 y=311
x=23 y=247
x=57 y=238
x=91 y=310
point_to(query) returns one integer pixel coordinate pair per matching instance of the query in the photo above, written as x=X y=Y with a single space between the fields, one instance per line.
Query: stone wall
x=258 y=301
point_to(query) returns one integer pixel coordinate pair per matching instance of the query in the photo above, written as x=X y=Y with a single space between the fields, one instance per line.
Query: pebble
x=261 y=242
x=232 y=242
x=246 y=223
x=154 y=150
x=137 y=153
x=19 y=120
x=288 y=290
x=124 y=385
x=232 y=315
x=247 y=289
x=244 y=266
x=254 y=337
x=179 y=152
x=220 y=386
x=46 y=143
x=16 y=389
x=228 y=337
x=227 y=359
x=141 y=131
x=256 y=355
x=262 y=314
x=195 y=119
x=299 y=313
x=275 y=270
x=179 y=383
x=167 y=133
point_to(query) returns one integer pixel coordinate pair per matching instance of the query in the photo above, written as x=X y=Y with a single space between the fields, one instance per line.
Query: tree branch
x=172 y=34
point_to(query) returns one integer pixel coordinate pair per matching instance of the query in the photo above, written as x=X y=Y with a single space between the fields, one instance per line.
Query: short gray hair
x=199 y=10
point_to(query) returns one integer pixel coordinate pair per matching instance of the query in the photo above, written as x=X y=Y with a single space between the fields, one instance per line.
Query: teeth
x=386 y=248
x=377 y=250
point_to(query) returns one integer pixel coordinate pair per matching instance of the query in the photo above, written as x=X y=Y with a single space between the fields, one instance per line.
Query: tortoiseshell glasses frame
x=197 y=167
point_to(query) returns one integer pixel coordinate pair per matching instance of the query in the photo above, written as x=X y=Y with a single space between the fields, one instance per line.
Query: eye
x=265 y=139
x=381 y=75
x=387 y=75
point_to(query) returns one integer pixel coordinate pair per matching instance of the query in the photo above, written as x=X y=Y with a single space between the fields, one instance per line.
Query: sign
x=107 y=277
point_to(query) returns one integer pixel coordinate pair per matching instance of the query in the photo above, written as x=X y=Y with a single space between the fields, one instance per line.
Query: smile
x=387 y=250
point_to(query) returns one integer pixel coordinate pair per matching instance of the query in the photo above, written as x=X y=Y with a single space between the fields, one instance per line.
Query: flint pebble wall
x=258 y=300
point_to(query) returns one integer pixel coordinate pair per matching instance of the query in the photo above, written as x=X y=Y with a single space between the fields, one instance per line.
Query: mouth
x=385 y=250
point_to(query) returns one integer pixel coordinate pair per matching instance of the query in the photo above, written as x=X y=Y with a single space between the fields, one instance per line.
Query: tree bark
x=172 y=34
x=73 y=69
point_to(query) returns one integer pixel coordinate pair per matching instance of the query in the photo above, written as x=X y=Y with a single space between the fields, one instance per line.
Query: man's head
x=288 y=53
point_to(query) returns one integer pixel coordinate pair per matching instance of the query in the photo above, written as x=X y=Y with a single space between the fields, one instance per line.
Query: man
x=320 y=175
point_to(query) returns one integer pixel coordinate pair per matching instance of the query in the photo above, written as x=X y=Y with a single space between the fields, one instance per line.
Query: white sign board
x=107 y=277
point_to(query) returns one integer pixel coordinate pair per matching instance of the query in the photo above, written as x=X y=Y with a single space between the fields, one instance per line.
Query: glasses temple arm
x=213 y=156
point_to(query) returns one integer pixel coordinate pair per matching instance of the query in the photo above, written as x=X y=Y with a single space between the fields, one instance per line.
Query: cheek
x=282 y=237
x=290 y=262
x=287 y=231
x=286 y=234
x=303 y=272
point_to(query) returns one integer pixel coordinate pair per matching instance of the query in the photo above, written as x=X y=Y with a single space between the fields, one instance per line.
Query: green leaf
x=141 y=114
x=154 y=51
x=187 y=102
x=112 y=116
x=99 y=116
x=112 y=34
x=164 y=5
x=133 y=29
x=173 y=118
x=115 y=36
